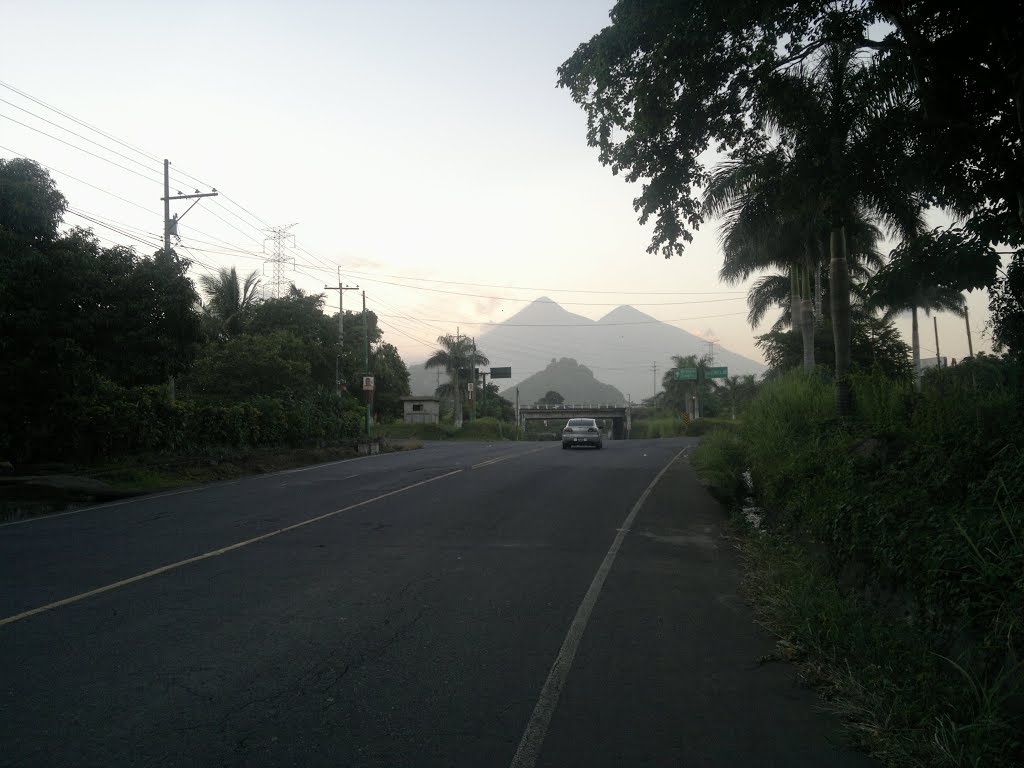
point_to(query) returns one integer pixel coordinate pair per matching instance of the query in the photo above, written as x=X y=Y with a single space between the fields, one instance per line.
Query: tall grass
x=487 y=428
x=895 y=559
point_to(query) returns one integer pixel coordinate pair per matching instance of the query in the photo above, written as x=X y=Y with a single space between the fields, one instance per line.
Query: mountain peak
x=545 y=311
x=624 y=313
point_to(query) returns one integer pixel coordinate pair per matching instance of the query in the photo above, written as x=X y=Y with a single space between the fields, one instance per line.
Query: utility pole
x=366 y=367
x=967 y=320
x=171 y=224
x=517 y=414
x=938 y=355
x=654 y=379
x=171 y=228
x=472 y=372
x=341 y=288
x=278 y=258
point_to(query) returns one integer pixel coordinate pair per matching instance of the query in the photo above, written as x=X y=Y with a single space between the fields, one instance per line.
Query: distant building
x=421 y=409
x=932 y=362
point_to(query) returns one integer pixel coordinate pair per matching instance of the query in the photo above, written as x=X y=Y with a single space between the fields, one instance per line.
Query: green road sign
x=717 y=373
x=685 y=374
x=501 y=373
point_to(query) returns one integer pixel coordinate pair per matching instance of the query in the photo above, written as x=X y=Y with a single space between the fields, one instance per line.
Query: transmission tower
x=279 y=239
x=710 y=339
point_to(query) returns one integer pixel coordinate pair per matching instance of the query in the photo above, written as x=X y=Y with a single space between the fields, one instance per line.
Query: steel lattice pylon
x=280 y=239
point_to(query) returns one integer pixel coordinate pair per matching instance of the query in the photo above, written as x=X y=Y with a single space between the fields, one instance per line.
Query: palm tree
x=770 y=221
x=458 y=357
x=847 y=156
x=229 y=299
x=930 y=272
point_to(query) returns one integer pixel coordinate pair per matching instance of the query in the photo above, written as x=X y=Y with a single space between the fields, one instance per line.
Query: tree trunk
x=915 y=347
x=839 y=295
x=817 y=282
x=807 y=327
x=794 y=297
x=807 y=316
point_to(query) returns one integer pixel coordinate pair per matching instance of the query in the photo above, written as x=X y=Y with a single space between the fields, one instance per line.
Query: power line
x=80 y=181
x=263 y=222
x=84 y=124
x=550 y=301
x=74 y=133
x=80 y=149
x=529 y=288
x=216 y=215
x=593 y=324
x=399 y=330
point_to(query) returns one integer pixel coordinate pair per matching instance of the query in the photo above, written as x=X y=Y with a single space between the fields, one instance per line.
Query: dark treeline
x=104 y=351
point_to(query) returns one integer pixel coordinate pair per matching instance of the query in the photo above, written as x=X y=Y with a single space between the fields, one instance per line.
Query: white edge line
x=206 y=486
x=537 y=727
x=5 y=620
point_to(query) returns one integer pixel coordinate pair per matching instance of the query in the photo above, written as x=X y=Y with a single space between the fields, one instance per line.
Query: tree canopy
x=89 y=336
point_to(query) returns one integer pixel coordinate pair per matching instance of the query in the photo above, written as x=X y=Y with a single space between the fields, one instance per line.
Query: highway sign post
x=684 y=374
x=501 y=373
x=717 y=373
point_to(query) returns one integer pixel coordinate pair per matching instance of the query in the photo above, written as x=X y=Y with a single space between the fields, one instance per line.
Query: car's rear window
x=581 y=422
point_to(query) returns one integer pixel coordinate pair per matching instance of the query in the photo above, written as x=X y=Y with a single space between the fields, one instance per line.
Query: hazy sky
x=408 y=141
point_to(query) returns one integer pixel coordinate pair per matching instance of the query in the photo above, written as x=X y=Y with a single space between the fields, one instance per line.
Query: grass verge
x=913 y=687
x=898 y=697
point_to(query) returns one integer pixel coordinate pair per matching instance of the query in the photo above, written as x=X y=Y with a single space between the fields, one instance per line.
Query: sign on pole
x=368 y=383
x=469 y=387
x=717 y=373
x=684 y=374
x=501 y=373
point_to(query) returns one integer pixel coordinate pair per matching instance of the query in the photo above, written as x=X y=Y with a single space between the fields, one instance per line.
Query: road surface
x=462 y=605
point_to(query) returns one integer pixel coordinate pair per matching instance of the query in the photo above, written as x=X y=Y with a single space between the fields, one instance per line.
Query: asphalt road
x=461 y=605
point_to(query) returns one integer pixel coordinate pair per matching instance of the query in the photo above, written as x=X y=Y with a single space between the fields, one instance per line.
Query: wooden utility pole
x=171 y=225
x=938 y=355
x=366 y=361
x=167 y=205
x=472 y=373
x=341 y=288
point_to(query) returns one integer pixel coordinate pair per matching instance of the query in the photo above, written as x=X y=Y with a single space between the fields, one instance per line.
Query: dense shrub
x=657 y=426
x=118 y=421
x=917 y=505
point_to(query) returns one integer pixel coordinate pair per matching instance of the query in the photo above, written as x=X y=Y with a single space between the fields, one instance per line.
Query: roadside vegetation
x=890 y=557
x=107 y=354
x=889 y=549
x=483 y=428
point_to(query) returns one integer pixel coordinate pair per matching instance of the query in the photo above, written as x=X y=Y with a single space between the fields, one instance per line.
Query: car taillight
x=567 y=429
x=593 y=429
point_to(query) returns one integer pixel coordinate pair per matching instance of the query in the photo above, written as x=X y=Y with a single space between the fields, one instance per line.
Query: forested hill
x=574 y=382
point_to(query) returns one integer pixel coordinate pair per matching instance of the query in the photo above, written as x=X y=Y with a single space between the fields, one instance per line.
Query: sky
x=414 y=144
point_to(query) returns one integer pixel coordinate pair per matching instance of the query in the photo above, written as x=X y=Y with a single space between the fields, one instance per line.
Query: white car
x=581 y=432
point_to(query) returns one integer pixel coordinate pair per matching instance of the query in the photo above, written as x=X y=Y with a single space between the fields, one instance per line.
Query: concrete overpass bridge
x=620 y=416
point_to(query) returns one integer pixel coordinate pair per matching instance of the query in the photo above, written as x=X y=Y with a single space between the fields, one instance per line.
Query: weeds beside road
x=892 y=563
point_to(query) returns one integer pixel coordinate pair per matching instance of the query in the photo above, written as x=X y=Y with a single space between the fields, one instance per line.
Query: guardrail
x=567 y=406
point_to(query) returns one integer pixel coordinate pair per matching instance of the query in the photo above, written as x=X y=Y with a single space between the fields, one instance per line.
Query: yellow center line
x=212 y=553
x=502 y=458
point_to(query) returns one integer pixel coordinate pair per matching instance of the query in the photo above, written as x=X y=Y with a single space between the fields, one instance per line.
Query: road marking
x=502 y=458
x=212 y=553
x=141 y=497
x=537 y=728
x=204 y=487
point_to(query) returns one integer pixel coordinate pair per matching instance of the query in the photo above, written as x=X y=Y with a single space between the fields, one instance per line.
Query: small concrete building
x=421 y=409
